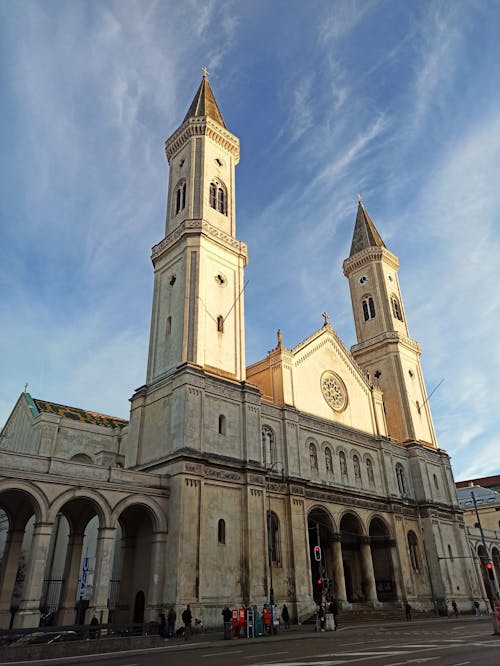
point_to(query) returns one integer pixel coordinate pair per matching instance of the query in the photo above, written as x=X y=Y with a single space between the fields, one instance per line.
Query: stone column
x=67 y=603
x=154 y=601
x=369 y=576
x=8 y=573
x=102 y=575
x=338 y=571
x=28 y=614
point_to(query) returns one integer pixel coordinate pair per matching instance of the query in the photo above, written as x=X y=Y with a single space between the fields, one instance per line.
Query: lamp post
x=269 y=527
x=491 y=583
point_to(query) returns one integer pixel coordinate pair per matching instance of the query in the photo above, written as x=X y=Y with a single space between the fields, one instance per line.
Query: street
x=447 y=642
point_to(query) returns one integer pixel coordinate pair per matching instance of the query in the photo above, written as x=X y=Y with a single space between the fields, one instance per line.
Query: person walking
x=227 y=616
x=171 y=618
x=408 y=611
x=162 y=629
x=187 y=618
x=477 y=609
x=285 y=615
x=454 y=605
x=334 y=610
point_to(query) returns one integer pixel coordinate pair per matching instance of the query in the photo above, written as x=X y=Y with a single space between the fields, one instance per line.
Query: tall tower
x=384 y=348
x=198 y=315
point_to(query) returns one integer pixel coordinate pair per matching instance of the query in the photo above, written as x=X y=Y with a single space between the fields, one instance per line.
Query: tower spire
x=204 y=103
x=365 y=234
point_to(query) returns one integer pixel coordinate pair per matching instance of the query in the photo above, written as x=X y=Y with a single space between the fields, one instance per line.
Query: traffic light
x=317 y=553
x=319 y=583
x=489 y=568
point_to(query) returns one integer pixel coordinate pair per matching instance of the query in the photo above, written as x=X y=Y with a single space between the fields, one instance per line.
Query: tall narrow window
x=357 y=469
x=213 y=195
x=343 y=465
x=396 y=308
x=328 y=461
x=221 y=531
x=413 y=548
x=169 y=325
x=400 y=476
x=180 y=197
x=268 y=447
x=369 y=472
x=368 y=308
x=218 y=197
x=436 y=484
x=220 y=324
x=313 y=457
x=273 y=535
x=222 y=424
x=221 y=200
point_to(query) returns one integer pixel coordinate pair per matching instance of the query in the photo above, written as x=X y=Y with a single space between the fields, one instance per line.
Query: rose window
x=334 y=391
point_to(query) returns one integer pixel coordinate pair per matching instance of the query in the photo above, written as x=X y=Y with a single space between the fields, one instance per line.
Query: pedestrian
x=456 y=612
x=187 y=618
x=408 y=611
x=334 y=610
x=321 y=617
x=285 y=615
x=162 y=629
x=477 y=609
x=94 y=622
x=227 y=616
x=171 y=618
x=276 y=618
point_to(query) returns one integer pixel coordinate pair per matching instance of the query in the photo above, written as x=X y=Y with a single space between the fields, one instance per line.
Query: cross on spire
x=205 y=72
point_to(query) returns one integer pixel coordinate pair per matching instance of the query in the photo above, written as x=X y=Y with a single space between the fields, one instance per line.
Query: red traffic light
x=489 y=569
x=317 y=553
x=319 y=582
x=489 y=566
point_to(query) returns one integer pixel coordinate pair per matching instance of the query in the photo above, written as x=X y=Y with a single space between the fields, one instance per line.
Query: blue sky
x=399 y=101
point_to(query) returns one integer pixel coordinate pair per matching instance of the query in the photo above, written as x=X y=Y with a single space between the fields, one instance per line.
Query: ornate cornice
x=203 y=126
x=187 y=227
x=364 y=257
x=388 y=336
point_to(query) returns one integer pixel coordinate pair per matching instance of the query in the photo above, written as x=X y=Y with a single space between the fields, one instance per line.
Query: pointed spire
x=204 y=103
x=365 y=235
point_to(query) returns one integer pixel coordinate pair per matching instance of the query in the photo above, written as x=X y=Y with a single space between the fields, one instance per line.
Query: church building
x=314 y=473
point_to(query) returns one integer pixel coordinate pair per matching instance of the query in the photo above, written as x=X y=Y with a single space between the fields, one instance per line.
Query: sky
x=398 y=101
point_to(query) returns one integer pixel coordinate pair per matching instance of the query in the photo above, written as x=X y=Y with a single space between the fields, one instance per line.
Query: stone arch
x=93 y=497
x=37 y=499
x=159 y=519
x=321 y=530
x=381 y=546
x=82 y=458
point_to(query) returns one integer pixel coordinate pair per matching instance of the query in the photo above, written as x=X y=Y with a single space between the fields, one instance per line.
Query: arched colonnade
x=70 y=552
x=359 y=562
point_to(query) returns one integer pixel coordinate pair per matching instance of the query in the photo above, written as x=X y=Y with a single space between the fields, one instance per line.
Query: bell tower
x=384 y=348
x=198 y=314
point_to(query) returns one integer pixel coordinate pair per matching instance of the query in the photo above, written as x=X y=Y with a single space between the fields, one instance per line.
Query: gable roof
x=38 y=406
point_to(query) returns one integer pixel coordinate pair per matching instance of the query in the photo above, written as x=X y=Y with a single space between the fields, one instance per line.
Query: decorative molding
x=222 y=474
x=253 y=478
x=193 y=467
x=202 y=126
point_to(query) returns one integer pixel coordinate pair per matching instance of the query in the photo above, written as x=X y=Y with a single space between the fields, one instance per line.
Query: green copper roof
x=74 y=413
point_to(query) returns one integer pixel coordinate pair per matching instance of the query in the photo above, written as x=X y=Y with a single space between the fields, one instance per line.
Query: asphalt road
x=442 y=642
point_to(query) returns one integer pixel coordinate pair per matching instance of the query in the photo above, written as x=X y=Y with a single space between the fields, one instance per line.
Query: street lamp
x=490 y=578
x=269 y=527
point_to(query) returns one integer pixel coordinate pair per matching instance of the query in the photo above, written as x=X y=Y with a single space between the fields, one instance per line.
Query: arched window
x=313 y=457
x=273 y=535
x=220 y=324
x=369 y=472
x=180 y=197
x=413 y=548
x=400 y=476
x=357 y=469
x=218 y=197
x=213 y=195
x=396 y=308
x=268 y=447
x=368 y=308
x=221 y=531
x=328 y=461
x=343 y=465
x=222 y=424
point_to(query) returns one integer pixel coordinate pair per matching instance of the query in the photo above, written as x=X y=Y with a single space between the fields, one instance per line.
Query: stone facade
x=233 y=476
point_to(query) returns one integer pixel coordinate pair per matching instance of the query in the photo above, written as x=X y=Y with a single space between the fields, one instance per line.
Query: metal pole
x=269 y=542
x=491 y=583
